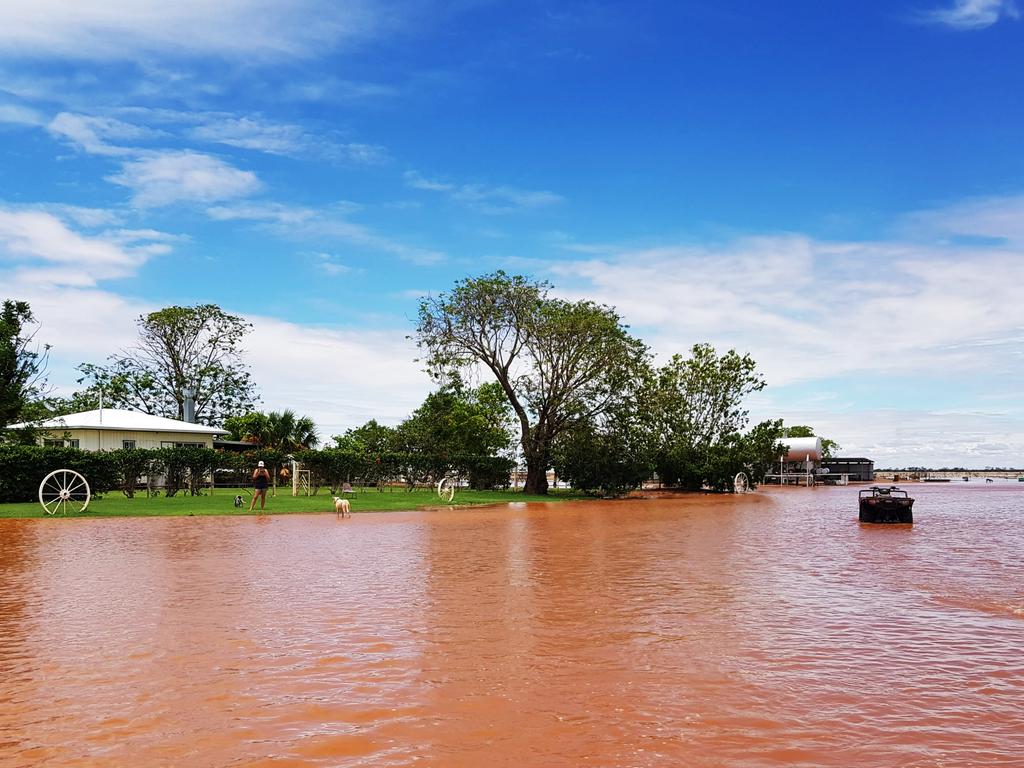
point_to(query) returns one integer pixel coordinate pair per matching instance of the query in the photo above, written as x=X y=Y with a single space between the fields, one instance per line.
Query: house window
x=127 y=443
x=47 y=443
x=172 y=444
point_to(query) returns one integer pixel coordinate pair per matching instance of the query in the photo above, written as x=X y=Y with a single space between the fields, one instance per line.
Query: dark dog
x=238 y=500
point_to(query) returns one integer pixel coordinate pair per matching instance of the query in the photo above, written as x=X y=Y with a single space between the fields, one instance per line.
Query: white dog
x=341 y=507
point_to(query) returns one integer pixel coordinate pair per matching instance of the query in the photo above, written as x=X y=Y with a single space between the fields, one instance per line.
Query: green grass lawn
x=115 y=504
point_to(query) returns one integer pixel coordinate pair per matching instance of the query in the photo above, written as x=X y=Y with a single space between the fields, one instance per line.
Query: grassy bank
x=220 y=503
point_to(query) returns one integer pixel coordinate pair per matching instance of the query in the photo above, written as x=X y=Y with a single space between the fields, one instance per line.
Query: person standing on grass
x=260 y=481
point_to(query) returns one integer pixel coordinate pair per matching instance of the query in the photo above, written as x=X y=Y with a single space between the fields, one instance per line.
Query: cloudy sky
x=836 y=188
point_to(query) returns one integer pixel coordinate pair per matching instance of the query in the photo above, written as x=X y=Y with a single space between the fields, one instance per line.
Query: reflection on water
x=771 y=629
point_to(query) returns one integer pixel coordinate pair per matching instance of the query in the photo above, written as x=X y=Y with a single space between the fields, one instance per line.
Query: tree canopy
x=454 y=420
x=370 y=438
x=180 y=348
x=559 y=363
x=700 y=412
x=685 y=420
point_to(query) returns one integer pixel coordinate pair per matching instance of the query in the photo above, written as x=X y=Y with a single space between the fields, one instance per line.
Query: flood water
x=765 y=630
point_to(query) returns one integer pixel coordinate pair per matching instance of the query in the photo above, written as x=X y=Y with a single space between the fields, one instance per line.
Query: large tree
x=559 y=363
x=179 y=349
x=22 y=361
x=700 y=413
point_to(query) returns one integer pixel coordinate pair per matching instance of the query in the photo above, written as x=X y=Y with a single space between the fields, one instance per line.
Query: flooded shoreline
x=770 y=629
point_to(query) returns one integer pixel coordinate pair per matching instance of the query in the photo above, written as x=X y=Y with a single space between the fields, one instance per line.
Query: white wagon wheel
x=64 y=490
x=740 y=483
x=446 y=488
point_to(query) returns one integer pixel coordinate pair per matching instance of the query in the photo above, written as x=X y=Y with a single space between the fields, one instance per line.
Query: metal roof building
x=858 y=468
x=107 y=429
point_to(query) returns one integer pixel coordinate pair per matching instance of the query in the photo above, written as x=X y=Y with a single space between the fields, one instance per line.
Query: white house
x=108 y=429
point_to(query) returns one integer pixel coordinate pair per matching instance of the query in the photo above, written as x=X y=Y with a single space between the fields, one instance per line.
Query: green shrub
x=23 y=467
x=130 y=465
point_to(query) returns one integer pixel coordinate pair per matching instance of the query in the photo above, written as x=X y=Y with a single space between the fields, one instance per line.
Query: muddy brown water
x=766 y=630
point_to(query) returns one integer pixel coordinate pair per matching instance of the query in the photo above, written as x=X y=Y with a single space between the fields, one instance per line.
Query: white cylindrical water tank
x=802 y=448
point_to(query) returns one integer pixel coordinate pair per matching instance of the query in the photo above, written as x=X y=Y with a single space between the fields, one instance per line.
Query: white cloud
x=42 y=248
x=91 y=133
x=503 y=199
x=283 y=139
x=328 y=264
x=245 y=29
x=168 y=177
x=16 y=114
x=999 y=219
x=416 y=181
x=341 y=378
x=972 y=14
x=491 y=199
x=277 y=213
x=808 y=309
x=252 y=133
x=337 y=91
x=84 y=216
x=323 y=224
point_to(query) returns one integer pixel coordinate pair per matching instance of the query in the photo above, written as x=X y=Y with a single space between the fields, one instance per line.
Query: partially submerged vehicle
x=885 y=505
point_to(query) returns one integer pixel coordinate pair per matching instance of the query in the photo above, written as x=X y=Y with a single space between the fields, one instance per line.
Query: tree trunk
x=536 y=477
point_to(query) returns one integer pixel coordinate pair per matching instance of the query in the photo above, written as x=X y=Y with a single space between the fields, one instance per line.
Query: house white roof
x=128 y=421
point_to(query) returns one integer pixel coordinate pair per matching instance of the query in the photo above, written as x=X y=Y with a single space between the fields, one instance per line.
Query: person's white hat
x=259 y=464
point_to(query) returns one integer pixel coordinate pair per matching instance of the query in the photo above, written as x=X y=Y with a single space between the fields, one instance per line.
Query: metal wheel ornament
x=740 y=483
x=64 y=490
x=446 y=489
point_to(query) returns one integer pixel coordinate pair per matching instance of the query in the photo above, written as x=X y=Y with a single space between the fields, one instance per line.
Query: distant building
x=855 y=468
x=109 y=429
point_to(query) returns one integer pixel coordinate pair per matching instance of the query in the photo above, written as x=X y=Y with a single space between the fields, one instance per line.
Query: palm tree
x=288 y=432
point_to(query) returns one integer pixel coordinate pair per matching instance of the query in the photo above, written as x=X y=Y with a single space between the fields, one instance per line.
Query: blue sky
x=837 y=188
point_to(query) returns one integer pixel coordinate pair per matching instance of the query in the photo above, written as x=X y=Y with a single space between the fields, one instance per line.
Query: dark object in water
x=885 y=505
x=936 y=480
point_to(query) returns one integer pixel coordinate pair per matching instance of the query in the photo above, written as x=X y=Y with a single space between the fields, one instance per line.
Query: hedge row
x=333 y=467
x=22 y=468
